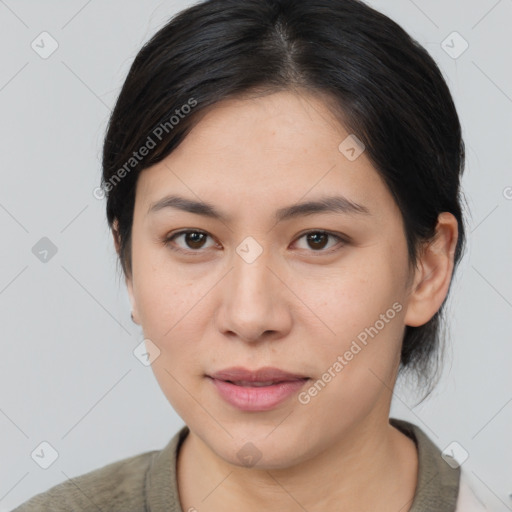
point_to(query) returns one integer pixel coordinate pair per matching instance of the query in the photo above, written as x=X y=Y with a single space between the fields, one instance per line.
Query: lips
x=256 y=391
x=250 y=384
x=265 y=376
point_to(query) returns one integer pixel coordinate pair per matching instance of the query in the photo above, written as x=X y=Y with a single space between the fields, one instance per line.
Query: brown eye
x=193 y=241
x=317 y=241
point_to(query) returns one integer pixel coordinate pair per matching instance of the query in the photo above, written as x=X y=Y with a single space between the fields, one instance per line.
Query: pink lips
x=258 y=390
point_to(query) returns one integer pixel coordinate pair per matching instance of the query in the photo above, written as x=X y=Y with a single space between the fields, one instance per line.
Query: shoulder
x=118 y=486
x=437 y=481
x=441 y=486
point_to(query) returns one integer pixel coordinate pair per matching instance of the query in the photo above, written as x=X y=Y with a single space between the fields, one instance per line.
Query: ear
x=433 y=273
x=128 y=279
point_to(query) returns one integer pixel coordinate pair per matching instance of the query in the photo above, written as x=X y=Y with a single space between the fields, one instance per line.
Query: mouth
x=264 y=376
x=257 y=395
x=255 y=384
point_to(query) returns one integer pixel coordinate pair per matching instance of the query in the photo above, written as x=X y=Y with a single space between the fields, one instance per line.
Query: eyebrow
x=326 y=204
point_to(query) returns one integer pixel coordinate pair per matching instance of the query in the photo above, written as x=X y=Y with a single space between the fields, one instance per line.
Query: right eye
x=193 y=238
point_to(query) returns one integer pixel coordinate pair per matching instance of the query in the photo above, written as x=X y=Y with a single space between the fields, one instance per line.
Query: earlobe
x=433 y=273
x=131 y=296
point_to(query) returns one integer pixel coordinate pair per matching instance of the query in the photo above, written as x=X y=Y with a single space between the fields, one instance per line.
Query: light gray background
x=68 y=375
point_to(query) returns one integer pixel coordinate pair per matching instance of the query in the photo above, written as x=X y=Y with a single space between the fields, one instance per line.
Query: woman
x=283 y=188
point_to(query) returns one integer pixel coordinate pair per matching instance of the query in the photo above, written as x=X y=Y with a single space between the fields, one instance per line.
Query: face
x=314 y=291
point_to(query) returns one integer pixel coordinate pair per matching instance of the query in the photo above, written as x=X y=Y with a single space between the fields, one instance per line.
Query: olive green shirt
x=147 y=482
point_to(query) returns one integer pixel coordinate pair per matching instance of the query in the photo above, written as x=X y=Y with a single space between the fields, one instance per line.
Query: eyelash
x=167 y=241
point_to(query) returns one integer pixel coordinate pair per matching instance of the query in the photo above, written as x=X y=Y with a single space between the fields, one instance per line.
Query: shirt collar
x=436 y=491
x=438 y=484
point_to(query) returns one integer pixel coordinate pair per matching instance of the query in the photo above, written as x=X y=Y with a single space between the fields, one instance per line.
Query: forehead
x=268 y=121
x=266 y=150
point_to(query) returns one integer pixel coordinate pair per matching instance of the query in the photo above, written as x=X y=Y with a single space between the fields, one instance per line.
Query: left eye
x=194 y=240
x=317 y=240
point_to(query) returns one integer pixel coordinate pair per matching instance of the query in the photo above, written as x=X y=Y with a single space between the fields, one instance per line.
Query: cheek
x=171 y=311
x=162 y=292
x=353 y=297
x=175 y=314
x=357 y=364
x=361 y=308
x=172 y=317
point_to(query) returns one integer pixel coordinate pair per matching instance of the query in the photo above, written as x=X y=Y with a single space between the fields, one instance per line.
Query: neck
x=373 y=467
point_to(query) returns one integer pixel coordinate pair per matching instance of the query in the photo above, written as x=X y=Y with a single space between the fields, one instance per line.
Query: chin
x=260 y=454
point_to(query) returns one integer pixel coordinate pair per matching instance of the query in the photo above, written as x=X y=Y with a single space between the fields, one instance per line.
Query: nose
x=254 y=302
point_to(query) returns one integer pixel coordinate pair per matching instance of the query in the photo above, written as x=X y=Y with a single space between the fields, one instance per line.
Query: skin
x=295 y=307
